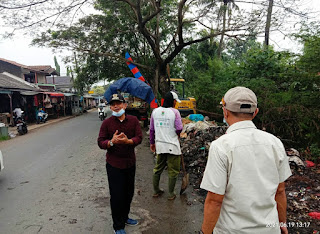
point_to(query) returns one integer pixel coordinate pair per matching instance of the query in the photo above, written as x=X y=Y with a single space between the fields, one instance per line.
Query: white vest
x=166 y=138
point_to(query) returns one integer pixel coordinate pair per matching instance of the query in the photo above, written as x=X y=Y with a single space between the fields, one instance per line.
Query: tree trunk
x=164 y=84
x=225 y=5
x=268 y=23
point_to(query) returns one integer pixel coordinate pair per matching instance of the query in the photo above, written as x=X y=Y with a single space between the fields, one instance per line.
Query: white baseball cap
x=175 y=96
x=240 y=99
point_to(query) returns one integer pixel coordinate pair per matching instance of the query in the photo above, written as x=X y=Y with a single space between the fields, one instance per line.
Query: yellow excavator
x=188 y=105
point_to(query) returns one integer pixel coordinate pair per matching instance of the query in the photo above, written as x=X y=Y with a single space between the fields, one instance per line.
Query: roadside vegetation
x=287 y=85
x=4 y=138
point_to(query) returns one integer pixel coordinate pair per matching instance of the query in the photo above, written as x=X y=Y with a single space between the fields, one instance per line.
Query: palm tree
x=268 y=23
x=227 y=5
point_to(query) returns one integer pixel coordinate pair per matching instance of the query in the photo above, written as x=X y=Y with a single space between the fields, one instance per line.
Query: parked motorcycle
x=42 y=116
x=21 y=125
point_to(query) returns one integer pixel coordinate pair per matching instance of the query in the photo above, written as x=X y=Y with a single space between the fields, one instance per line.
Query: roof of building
x=60 y=80
x=11 y=82
x=46 y=69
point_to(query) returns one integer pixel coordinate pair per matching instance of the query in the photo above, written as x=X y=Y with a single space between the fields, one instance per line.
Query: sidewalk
x=33 y=126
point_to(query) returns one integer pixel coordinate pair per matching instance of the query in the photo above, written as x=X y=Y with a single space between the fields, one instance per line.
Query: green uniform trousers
x=173 y=162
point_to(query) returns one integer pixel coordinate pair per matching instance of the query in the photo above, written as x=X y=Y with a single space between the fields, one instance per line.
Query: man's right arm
x=104 y=138
x=212 y=207
x=281 y=200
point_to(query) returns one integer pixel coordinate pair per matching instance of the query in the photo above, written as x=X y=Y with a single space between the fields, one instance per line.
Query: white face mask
x=119 y=113
x=224 y=120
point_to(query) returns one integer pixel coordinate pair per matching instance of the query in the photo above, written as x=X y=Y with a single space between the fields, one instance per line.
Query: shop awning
x=29 y=93
x=5 y=92
x=54 y=94
x=69 y=94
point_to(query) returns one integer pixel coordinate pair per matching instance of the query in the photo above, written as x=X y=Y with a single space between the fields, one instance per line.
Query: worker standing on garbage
x=165 y=128
x=245 y=173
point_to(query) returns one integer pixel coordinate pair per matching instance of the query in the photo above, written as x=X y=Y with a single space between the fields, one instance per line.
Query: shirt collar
x=241 y=125
x=116 y=118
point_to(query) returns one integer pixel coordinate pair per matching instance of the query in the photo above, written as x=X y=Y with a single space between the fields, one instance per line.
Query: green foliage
x=288 y=98
x=56 y=64
x=309 y=36
x=315 y=152
x=99 y=90
x=4 y=138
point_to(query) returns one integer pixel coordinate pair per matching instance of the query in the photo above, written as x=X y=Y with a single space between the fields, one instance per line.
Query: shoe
x=121 y=231
x=170 y=198
x=159 y=193
x=132 y=222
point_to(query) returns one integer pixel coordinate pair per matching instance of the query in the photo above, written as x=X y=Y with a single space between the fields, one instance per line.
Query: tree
x=224 y=9
x=156 y=32
x=99 y=90
x=56 y=64
x=310 y=38
x=268 y=23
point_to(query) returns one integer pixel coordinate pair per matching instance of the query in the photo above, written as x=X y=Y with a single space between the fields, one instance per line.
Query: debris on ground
x=302 y=188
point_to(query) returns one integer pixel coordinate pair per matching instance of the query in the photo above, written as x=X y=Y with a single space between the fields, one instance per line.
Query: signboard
x=91 y=92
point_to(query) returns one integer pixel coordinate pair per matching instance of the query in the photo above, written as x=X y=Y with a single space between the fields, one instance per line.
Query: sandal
x=172 y=197
x=158 y=194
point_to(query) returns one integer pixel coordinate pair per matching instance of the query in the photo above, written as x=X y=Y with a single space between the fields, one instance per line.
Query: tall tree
x=224 y=9
x=268 y=23
x=154 y=32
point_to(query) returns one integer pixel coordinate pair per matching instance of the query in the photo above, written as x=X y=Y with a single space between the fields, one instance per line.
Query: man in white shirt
x=165 y=128
x=18 y=112
x=245 y=174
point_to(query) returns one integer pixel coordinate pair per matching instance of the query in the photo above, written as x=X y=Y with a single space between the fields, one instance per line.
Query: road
x=55 y=182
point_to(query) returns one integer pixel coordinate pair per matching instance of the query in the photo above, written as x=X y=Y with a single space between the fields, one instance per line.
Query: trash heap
x=196 y=138
x=302 y=188
x=303 y=195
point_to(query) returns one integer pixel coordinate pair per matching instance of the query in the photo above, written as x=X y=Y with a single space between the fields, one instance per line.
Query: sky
x=19 y=50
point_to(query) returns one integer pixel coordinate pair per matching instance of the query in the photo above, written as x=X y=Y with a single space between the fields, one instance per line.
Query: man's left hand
x=153 y=147
x=123 y=139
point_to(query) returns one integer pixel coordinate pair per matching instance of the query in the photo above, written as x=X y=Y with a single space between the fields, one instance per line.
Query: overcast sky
x=19 y=50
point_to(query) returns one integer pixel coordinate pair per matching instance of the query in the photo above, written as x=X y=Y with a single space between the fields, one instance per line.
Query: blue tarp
x=133 y=86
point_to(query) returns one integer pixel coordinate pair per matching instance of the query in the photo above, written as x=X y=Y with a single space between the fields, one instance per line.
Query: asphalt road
x=55 y=181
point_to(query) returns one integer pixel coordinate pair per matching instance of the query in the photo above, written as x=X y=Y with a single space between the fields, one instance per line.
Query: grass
x=4 y=138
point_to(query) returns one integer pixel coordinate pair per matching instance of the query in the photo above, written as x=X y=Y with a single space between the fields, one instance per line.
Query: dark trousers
x=121 y=187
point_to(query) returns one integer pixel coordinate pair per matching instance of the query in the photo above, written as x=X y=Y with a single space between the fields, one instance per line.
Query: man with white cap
x=165 y=128
x=245 y=173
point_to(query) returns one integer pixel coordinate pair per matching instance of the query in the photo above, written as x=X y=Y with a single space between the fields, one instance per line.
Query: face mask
x=224 y=120
x=119 y=113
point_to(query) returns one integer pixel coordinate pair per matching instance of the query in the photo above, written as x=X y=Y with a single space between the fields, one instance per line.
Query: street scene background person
x=245 y=173
x=165 y=128
x=120 y=134
x=18 y=112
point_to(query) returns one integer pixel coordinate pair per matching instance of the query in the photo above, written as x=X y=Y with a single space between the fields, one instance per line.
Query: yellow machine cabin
x=187 y=105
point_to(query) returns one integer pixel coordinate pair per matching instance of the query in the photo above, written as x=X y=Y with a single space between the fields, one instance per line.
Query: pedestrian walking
x=119 y=135
x=165 y=128
x=245 y=173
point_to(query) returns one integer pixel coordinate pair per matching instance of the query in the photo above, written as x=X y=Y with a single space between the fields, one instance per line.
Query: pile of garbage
x=302 y=188
x=303 y=195
x=196 y=138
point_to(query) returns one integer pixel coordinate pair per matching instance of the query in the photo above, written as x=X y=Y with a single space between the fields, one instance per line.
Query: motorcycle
x=42 y=117
x=21 y=125
x=101 y=112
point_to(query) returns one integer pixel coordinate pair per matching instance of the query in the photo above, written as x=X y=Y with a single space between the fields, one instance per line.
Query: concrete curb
x=34 y=126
